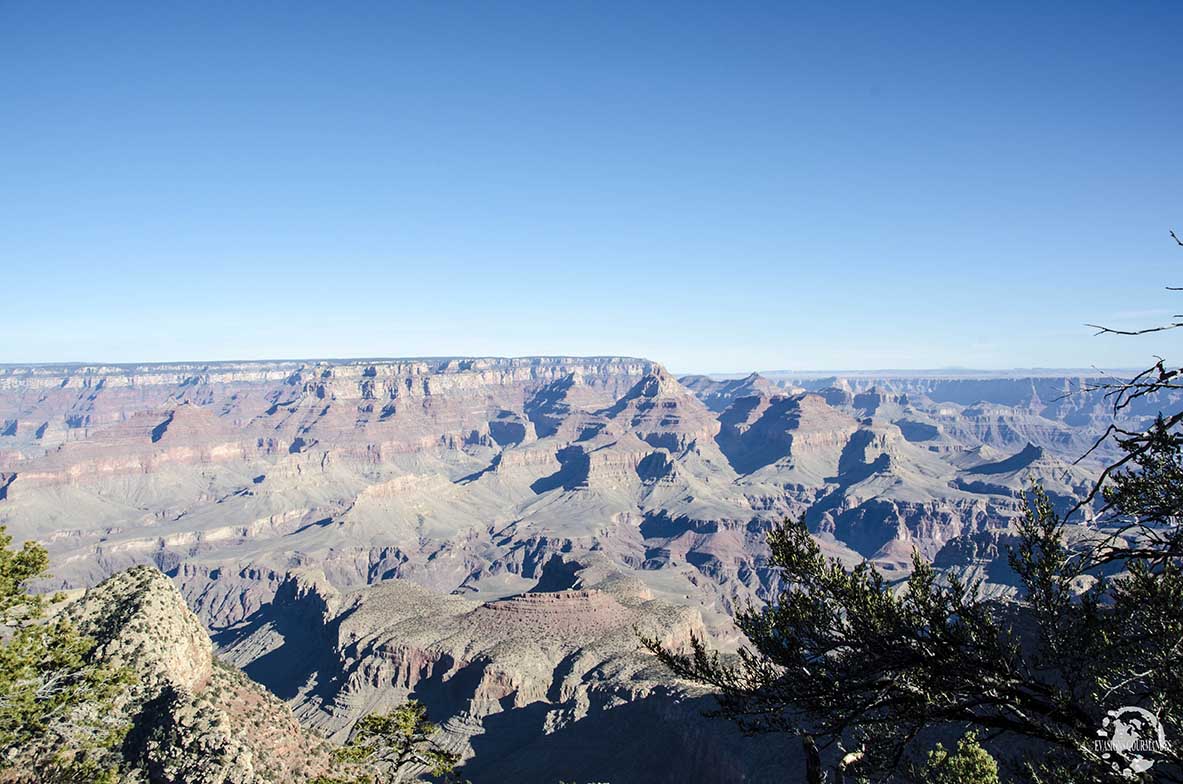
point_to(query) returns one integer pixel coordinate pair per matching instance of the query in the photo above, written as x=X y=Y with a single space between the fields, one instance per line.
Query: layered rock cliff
x=469 y=497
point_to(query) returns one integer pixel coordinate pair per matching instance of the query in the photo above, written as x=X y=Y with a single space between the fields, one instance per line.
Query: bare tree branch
x=1109 y=331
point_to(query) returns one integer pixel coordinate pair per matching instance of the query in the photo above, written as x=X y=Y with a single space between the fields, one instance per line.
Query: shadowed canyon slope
x=488 y=534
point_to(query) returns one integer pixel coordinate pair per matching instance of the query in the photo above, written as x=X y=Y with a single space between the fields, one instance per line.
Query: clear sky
x=717 y=186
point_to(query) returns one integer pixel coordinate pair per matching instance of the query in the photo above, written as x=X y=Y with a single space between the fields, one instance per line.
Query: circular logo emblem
x=1131 y=738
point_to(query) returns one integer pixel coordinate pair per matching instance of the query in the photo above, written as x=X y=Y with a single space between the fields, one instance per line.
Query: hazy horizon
x=951 y=371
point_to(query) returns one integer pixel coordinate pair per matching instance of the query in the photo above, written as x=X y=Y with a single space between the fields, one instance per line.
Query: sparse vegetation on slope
x=56 y=719
x=399 y=743
x=121 y=687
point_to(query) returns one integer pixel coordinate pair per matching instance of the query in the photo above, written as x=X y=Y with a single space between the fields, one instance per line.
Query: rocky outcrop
x=719 y=394
x=193 y=719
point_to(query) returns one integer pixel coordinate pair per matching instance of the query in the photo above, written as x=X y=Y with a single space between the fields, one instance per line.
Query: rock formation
x=485 y=533
x=193 y=719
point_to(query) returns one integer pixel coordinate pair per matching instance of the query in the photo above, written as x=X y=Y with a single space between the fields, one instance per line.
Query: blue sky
x=718 y=186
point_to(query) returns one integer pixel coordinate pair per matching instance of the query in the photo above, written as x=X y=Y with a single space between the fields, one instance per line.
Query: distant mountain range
x=951 y=372
x=487 y=534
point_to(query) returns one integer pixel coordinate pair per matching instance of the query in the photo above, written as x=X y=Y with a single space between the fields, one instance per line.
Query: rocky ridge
x=193 y=719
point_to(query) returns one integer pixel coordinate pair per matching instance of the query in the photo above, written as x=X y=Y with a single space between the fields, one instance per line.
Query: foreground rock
x=194 y=720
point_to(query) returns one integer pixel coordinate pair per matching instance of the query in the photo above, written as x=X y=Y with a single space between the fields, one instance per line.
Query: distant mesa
x=1024 y=458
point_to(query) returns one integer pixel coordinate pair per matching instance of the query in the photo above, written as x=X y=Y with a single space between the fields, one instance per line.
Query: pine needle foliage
x=400 y=743
x=56 y=722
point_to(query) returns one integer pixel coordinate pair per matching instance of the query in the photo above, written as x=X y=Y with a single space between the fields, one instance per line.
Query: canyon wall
x=486 y=534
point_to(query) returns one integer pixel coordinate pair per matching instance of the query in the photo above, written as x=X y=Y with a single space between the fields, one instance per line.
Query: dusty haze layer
x=487 y=534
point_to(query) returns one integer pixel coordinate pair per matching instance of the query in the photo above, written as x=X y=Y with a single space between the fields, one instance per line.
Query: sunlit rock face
x=191 y=718
x=486 y=533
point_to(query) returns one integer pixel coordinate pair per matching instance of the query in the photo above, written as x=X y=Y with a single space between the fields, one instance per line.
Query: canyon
x=491 y=535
